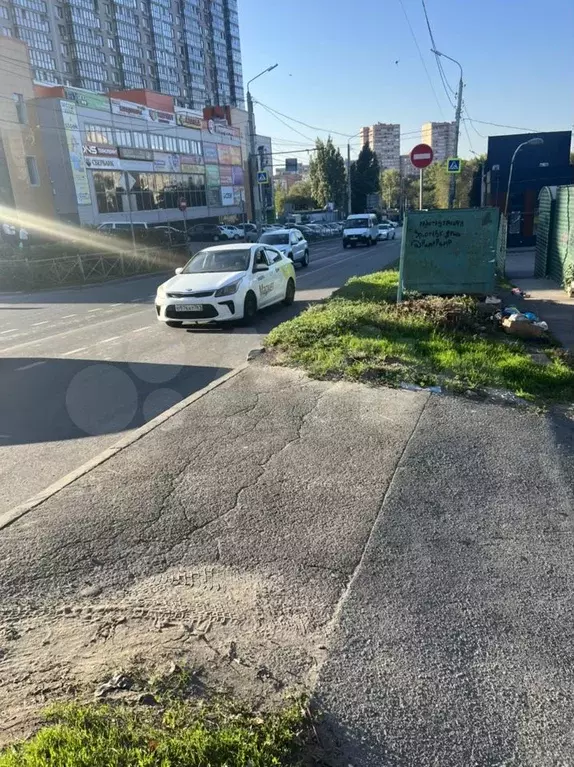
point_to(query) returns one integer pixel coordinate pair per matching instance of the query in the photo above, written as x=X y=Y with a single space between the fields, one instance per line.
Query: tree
x=390 y=188
x=300 y=196
x=364 y=179
x=279 y=198
x=327 y=174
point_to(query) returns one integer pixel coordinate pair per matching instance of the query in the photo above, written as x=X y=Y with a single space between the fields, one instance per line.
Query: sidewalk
x=407 y=558
x=547 y=299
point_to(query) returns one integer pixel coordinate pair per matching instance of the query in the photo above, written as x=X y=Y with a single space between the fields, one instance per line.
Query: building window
x=33 y=174
x=21 y=111
x=6 y=31
x=4 y=12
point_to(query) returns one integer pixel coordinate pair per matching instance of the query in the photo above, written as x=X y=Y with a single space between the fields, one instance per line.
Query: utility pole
x=251 y=165
x=452 y=185
x=348 y=179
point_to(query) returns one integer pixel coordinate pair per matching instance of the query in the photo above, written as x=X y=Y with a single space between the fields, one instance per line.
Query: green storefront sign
x=88 y=100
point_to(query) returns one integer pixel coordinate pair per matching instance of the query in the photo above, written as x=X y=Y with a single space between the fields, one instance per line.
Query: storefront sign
x=222 y=128
x=128 y=109
x=214 y=197
x=191 y=159
x=163 y=118
x=225 y=175
x=212 y=176
x=188 y=168
x=75 y=151
x=103 y=163
x=87 y=100
x=238 y=195
x=226 y=195
x=189 y=120
x=235 y=152
x=168 y=163
x=128 y=153
x=210 y=153
x=223 y=154
x=237 y=174
x=104 y=151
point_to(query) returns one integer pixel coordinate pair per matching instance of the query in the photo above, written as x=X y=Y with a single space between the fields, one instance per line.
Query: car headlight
x=228 y=290
x=160 y=292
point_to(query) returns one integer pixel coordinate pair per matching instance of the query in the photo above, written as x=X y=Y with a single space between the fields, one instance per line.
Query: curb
x=8 y=517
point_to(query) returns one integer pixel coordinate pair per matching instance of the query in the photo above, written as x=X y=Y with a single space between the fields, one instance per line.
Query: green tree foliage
x=364 y=179
x=300 y=196
x=436 y=182
x=279 y=196
x=327 y=174
x=390 y=188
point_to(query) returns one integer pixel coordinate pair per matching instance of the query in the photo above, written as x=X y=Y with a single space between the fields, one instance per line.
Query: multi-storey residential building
x=188 y=49
x=441 y=137
x=407 y=168
x=385 y=141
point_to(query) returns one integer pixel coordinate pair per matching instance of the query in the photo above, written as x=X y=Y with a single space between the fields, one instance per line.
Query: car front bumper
x=199 y=310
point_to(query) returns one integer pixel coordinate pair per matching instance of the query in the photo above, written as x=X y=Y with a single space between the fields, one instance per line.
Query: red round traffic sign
x=421 y=156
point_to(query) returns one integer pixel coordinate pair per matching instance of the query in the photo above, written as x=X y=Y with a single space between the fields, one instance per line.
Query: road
x=80 y=367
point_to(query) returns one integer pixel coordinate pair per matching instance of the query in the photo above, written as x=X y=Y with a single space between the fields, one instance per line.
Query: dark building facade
x=534 y=168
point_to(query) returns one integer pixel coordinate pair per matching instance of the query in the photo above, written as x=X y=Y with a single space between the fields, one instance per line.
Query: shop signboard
x=223 y=154
x=238 y=195
x=226 y=195
x=189 y=120
x=88 y=100
x=235 y=152
x=75 y=151
x=129 y=109
x=225 y=175
x=213 y=197
x=133 y=153
x=210 y=153
x=163 y=118
x=167 y=163
x=237 y=175
x=94 y=150
x=103 y=163
x=190 y=163
x=212 y=176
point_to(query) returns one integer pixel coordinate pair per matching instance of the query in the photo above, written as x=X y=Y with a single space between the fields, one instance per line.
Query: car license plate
x=189 y=307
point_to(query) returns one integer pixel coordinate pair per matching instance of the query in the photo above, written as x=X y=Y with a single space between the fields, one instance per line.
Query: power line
x=300 y=122
x=270 y=111
x=422 y=58
x=445 y=83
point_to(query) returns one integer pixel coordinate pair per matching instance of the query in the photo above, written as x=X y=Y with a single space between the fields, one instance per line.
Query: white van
x=360 y=227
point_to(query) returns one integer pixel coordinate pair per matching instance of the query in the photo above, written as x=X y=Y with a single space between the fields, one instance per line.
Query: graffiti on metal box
x=436 y=234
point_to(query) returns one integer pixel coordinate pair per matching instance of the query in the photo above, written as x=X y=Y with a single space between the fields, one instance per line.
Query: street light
x=452 y=187
x=252 y=151
x=531 y=142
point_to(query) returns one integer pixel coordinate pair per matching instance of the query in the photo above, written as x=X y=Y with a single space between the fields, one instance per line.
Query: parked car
x=386 y=231
x=248 y=231
x=215 y=232
x=225 y=283
x=290 y=242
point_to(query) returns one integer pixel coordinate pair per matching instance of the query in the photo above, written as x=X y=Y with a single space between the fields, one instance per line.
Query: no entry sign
x=421 y=156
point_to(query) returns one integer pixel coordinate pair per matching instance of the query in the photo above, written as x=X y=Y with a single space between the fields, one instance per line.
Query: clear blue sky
x=337 y=65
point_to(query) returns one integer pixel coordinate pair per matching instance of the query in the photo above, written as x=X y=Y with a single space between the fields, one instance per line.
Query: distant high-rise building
x=440 y=136
x=385 y=141
x=188 y=49
x=407 y=168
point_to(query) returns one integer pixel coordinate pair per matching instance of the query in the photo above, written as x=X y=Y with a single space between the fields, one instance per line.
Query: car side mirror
x=179 y=270
x=261 y=268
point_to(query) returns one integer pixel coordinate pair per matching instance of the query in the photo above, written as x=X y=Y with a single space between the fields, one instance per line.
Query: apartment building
x=385 y=141
x=187 y=49
x=24 y=181
x=441 y=137
x=407 y=168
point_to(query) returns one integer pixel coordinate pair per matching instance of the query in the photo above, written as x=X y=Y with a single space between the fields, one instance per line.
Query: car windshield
x=236 y=260
x=357 y=223
x=275 y=239
x=384 y=226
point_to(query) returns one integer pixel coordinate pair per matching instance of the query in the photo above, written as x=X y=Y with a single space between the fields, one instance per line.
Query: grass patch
x=180 y=734
x=362 y=334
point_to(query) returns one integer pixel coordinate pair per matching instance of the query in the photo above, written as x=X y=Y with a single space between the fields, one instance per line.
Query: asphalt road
x=79 y=367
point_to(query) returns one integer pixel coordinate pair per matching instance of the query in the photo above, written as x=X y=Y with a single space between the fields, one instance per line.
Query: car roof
x=233 y=246
x=277 y=231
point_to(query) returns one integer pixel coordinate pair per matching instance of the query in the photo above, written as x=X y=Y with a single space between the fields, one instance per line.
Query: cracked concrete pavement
x=407 y=558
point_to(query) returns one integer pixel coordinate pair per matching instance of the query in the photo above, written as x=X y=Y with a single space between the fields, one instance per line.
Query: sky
x=337 y=67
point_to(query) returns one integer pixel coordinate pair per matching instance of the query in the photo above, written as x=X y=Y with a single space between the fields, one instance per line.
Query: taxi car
x=226 y=283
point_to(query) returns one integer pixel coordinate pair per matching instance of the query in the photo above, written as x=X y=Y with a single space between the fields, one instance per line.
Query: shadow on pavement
x=66 y=399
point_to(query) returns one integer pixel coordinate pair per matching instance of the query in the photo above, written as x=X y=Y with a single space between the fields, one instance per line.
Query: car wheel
x=249 y=308
x=289 y=293
x=305 y=261
x=174 y=324
x=345 y=245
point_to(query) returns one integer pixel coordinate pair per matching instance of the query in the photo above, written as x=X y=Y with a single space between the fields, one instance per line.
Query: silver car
x=290 y=242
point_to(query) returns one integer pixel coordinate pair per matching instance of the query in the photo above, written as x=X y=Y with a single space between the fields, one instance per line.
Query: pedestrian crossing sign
x=262 y=177
x=454 y=165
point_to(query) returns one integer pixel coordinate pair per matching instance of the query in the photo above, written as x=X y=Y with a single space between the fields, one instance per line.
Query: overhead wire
x=423 y=62
x=445 y=83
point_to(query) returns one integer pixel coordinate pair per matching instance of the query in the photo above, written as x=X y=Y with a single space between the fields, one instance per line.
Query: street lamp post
x=452 y=184
x=531 y=142
x=252 y=150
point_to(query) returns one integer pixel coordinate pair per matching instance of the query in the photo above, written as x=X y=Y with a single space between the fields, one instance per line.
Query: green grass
x=178 y=735
x=361 y=334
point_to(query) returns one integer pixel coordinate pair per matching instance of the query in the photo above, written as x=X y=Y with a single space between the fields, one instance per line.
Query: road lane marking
x=99 y=309
x=109 y=340
x=68 y=332
x=140 y=330
x=12 y=330
x=32 y=365
x=75 y=351
x=35 y=324
x=67 y=316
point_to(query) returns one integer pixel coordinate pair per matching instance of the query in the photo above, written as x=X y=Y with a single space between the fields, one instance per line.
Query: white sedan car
x=386 y=232
x=226 y=282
